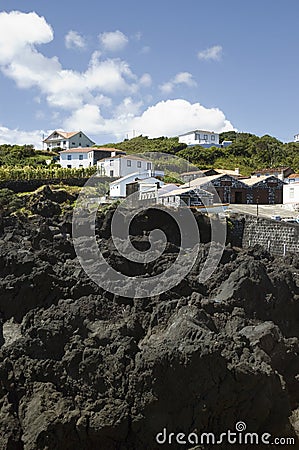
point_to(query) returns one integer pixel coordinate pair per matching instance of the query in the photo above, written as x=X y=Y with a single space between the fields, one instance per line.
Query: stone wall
x=279 y=238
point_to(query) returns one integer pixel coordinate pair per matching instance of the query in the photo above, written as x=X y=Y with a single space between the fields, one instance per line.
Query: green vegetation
x=141 y=144
x=20 y=155
x=43 y=173
x=247 y=151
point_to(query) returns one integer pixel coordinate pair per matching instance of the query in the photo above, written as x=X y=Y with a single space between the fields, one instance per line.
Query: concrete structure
x=200 y=137
x=66 y=140
x=186 y=196
x=291 y=193
x=77 y=158
x=123 y=165
x=154 y=190
x=278 y=238
x=125 y=186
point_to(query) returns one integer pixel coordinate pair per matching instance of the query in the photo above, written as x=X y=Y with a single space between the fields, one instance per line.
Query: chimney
x=237 y=171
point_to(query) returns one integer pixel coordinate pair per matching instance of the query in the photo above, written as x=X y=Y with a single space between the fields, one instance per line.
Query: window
x=64 y=142
x=69 y=157
x=148 y=166
x=80 y=135
x=129 y=163
x=138 y=163
x=111 y=162
x=111 y=173
x=80 y=166
x=205 y=136
x=79 y=144
x=197 y=136
x=81 y=157
x=69 y=166
x=213 y=137
x=73 y=143
x=292 y=192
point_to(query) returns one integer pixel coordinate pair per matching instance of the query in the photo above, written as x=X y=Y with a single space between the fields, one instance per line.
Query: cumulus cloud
x=19 y=137
x=165 y=118
x=180 y=78
x=66 y=89
x=113 y=41
x=18 y=31
x=73 y=40
x=212 y=53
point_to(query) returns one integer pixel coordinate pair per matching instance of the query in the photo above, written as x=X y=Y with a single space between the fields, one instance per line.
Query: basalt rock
x=84 y=368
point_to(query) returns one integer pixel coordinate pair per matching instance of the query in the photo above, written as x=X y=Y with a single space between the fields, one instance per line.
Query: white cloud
x=166 y=118
x=19 y=31
x=145 y=80
x=173 y=117
x=16 y=136
x=74 y=40
x=66 y=89
x=211 y=53
x=180 y=78
x=113 y=41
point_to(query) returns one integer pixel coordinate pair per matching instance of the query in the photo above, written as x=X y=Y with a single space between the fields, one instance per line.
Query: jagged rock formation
x=83 y=369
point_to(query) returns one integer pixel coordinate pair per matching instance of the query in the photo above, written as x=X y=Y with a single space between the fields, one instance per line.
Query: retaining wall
x=278 y=238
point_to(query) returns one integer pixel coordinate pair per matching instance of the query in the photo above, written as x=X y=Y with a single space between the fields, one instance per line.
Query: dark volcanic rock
x=90 y=370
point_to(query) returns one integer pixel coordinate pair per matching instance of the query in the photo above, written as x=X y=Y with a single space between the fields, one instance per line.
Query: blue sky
x=158 y=68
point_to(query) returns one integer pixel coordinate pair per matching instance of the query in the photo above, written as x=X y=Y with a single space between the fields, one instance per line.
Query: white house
x=66 y=140
x=130 y=183
x=200 y=137
x=296 y=138
x=80 y=157
x=291 y=193
x=122 y=165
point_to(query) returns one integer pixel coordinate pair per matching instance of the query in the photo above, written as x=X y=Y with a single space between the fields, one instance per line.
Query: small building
x=293 y=178
x=229 y=188
x=153 y=190
x=186 y=196
x=279 y=172
x=123 y=165
x=66 y=140
x=265 y=190
x=291 y=193
x=200 y=137
x=77 y=158
x=125 y=186
x=296 y=138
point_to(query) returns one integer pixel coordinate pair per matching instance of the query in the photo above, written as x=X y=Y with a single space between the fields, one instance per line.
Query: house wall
x=291 y=193
x=199 y=138
x=266 y=192
x=76 y=162
x=230 y=190
x=121 y=167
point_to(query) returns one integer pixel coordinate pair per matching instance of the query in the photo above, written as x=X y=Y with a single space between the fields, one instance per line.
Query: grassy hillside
x=248 y=151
